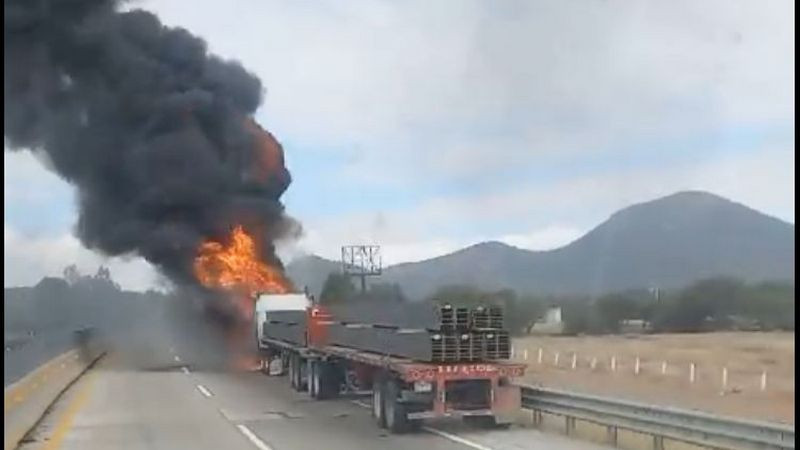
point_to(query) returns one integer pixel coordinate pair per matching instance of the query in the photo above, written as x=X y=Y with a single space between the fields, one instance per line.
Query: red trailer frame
x=404 y=391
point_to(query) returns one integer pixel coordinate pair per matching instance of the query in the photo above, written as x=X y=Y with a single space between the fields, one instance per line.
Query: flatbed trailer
x=404 y=392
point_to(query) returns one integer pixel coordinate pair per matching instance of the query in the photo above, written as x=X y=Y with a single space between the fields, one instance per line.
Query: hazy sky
x=426 y=126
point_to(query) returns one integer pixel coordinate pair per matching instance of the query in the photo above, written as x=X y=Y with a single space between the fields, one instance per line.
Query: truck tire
x=265 y=366
x=302 y=374
x=284 y=363
x=378 y=411
x=296 y=372
x=313 y=379
x=330 y=380
x=396 y=413
x=293 y=372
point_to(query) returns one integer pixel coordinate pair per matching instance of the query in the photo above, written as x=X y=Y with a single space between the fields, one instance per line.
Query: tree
x=705 y=305
x=103 y=273
x=337 y=288
x=382 y=292
x=577 y=318
x=770 y=305
x=526 y=312
x=520 y=313
x=457 y=294
x=71 y=274
x=612 y=309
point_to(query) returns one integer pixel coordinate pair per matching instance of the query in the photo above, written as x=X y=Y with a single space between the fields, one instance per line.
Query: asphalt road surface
x=159 y=398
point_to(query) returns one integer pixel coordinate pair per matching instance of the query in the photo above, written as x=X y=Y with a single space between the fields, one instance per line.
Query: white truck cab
x=277 y=302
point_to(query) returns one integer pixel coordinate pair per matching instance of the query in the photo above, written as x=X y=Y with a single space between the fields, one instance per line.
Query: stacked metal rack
x=423 y=332
x=470 y=334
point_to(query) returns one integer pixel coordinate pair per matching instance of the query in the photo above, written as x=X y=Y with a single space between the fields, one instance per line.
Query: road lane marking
x=185 y=370
x=21 y=388
x=65 y=422
x=261 y=445
x=203 y=390
x=444 y=434
x=457 y=439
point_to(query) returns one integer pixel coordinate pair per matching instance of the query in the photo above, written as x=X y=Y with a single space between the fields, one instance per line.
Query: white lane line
x=185 y=370
x=458 y=439
x=448 y=436
x=177 y=358
x=261 y=445
x=203 y=390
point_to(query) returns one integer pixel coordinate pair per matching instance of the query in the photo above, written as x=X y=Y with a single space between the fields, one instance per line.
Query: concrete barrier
x=27 y=400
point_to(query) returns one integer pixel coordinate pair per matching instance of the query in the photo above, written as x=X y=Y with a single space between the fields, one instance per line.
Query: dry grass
x=745 y=355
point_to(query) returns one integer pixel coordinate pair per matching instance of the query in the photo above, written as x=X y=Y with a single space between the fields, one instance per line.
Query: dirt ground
x=746 y=355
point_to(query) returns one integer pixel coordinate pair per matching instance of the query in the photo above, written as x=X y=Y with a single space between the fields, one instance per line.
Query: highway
x=170 y=397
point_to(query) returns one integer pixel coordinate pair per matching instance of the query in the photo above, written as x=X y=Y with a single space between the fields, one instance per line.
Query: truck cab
x=276 y=302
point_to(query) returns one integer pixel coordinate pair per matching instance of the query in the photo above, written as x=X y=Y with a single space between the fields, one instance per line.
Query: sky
x=428 y=126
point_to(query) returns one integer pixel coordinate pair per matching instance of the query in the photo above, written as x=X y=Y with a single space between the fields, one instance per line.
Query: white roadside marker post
x=724 y=378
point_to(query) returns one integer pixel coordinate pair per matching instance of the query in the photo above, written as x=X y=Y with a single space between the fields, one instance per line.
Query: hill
x=667 y=242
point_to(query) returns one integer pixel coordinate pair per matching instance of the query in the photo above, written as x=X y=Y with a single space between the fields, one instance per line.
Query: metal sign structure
x=361 y=261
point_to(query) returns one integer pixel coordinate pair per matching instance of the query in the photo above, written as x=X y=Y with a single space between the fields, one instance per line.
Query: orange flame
x=238 y=267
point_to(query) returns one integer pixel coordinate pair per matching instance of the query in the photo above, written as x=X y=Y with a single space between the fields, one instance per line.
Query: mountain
x=311 y=271
x=667 y=242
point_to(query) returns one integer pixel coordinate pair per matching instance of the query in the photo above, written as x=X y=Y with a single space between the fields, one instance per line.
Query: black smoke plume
x=149 y=127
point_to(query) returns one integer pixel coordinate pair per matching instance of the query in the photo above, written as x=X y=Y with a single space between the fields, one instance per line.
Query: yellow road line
x=18 y=393
x=65 y=422
x=17 y=434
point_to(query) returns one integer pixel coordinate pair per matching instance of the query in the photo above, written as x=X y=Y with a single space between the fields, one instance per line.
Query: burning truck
x=159 y=140
x=420 y=361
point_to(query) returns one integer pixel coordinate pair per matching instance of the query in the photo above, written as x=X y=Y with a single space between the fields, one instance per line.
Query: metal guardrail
x=706 y=430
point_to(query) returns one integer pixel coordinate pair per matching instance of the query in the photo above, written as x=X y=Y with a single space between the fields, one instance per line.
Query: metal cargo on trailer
x=404 y=391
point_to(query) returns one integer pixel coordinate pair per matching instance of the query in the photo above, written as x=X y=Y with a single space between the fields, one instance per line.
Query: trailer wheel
x=378 y=411
x=396 y=413
x=328 y=380
x=313 y=379
x=285 y=363
x=293 y=372
x=295 y=364
x=302 y=374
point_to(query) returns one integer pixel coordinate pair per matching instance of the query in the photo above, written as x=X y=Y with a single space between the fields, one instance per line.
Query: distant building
x=553 y=315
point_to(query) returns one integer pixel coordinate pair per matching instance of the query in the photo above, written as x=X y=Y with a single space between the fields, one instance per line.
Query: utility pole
x=655 y=292
x=361 y=261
